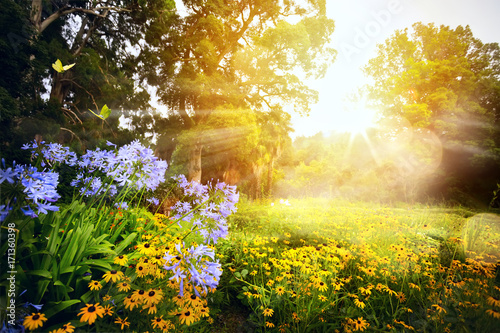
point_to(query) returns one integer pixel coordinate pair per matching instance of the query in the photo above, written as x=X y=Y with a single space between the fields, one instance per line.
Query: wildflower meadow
x=105 y=261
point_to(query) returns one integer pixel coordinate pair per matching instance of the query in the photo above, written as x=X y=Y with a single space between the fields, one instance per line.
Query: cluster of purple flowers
x=214 y=204
x=99 y=172
x=39 y=188
x=195 y=266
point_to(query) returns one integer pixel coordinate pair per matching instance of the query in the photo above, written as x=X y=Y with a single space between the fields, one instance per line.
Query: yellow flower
x=95 y=285
x=322 y=298
x=280 y=290
x=359 y=303
x=493 y=313
x=268 y=312
x=121 y=260
x=321 y=286
x=439 y=308
x=153 y=296
x=187 y=317
x=138 y=295
x=113 y=275
x=360 y=324
x=158 y=322
x=122 y=322
x=107 y=310
x=67 y=328
x=123 y=286
x=130 y=303
x=146 y=249
x=34 y=321
x=493 y=301
x=270 y=325
x=90 y=313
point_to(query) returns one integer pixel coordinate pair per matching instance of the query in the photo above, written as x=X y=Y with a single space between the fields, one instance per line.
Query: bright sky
x=377 y=20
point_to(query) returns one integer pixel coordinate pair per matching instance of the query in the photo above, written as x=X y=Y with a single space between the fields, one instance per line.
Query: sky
x=362 y=24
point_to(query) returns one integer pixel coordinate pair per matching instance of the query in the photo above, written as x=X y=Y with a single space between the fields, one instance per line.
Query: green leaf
x=244 y=272
x=44 y=273
x=55 y=307
x=126 y=242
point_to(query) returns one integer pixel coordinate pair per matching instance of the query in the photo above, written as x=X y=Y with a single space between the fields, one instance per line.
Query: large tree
x=242 y=53
x=104 y=38
x=447 y=81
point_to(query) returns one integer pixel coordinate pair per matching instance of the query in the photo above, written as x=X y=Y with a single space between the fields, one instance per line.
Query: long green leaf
x=126 y=242
x=56 y=307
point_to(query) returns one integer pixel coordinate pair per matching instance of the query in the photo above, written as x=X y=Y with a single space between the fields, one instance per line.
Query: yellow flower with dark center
x=67 y=328
x=106 y=298
x=121 y=260
x=122 y=322
x=153 y=296
x=268 y=312
x=359 y=303
x=146 y=249
x=270 y=325
x=123 y=286
x=141 y=270
x=493 y=313
x=322 y=298
x=90 y=312
x=158 y=322
x=95 y=285
x=130 y=303
x=280 y=290
x=401 y=297
x=493 y=301
x=34 y=321
x=439 y=308
x=193 y=300
x=108 y=310
x=321 y=286
x=204 y=311
x=360 y=324
x=113 y=275
x=187 y=317
x=138 y=295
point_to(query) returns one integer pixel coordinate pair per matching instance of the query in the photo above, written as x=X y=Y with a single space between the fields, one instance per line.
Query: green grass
x=427 y=269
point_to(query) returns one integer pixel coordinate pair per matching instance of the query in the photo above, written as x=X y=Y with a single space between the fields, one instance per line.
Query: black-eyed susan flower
x=108 y=311
x=493 y=313
x=158 y=322
x=321 y=286
x=268 y=312
x=360 y=324
x=34 y=321
x=90 y=312
x=121 y=260
x=129 y=303
x=280 y=290
x=122 y=322
x=141 y=270
x=359 y=303
x=269 y=324
x=187 y=317
x=67 y=328
x=146 y=249
x=123 y=286
x=95 y=285
x=139 y=295
x=322 y=298
x=113 y=275
x=493 y=301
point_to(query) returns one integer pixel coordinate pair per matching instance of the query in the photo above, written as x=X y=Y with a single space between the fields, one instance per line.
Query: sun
x=356 y=121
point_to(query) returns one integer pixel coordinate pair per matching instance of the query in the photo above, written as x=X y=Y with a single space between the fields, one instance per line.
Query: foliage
x=57 y=253
x=320 y=265
x=445 y=81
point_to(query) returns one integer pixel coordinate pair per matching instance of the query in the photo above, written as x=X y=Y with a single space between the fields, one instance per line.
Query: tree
x=446 y=81
x=240 y=53
x=106 y=40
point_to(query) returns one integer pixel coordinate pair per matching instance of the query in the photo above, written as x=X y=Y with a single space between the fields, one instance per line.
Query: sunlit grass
x=331 y=266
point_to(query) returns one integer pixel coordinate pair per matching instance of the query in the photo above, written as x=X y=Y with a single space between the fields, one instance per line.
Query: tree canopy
x=447 y=81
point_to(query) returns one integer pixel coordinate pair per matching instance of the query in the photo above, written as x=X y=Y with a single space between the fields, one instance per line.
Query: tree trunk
x=61 y=86
x=269 y=185
x=231 y=176
x=256 y=190
x=194 y=162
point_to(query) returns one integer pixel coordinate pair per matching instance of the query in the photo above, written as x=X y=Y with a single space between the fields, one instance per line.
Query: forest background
x=230 y=73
